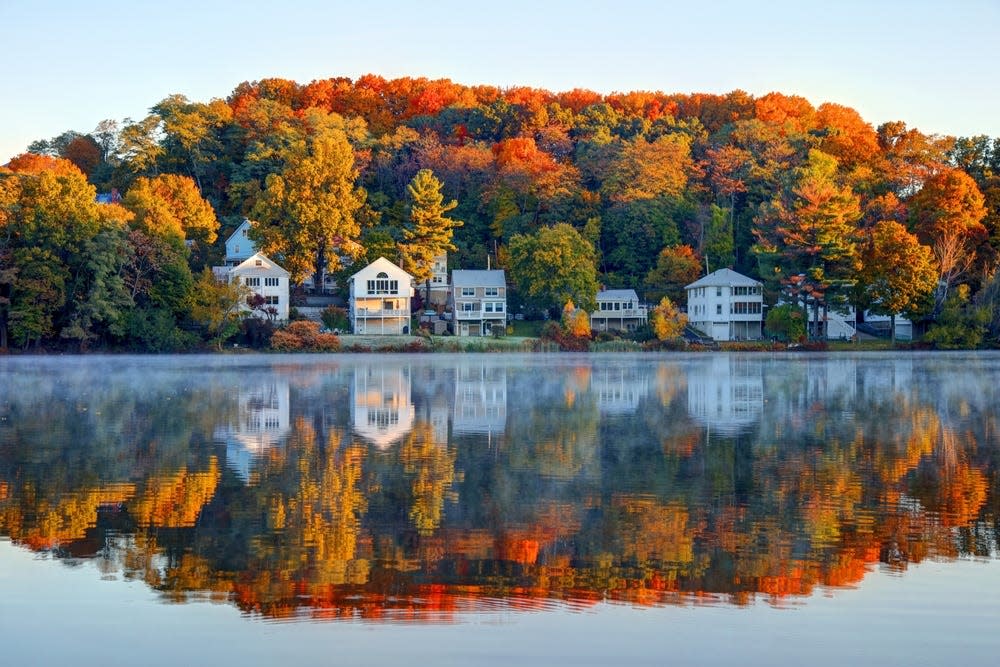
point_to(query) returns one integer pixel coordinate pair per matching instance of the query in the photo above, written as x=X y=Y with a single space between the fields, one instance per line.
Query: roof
x=478 y=278
x=246 y=222
x=724 y=278
x=382 y=264
x=251 y=264
x=617 y=295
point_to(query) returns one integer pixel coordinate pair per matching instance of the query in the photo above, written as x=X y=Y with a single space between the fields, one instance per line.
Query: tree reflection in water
x=414 y=487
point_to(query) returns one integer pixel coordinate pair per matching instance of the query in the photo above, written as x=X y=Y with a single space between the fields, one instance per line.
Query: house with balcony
x=380 y=297
x=478 y=301
x=382 y=409
x=618 y=310
x=262 y=276
x=726 y=306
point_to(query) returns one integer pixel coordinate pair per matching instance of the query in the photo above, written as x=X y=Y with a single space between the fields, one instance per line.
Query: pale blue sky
x=934 y=65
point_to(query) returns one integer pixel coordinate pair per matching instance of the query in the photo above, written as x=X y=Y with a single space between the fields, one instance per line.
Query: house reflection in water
x=619 y=389
x=381 y=406
x=433 y=390
x=262 y=422
x=480 y=398
x=726 y=393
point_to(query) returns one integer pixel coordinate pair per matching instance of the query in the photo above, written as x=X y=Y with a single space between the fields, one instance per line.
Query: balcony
x=381 y=312
x=637 y=312
x=479 y=315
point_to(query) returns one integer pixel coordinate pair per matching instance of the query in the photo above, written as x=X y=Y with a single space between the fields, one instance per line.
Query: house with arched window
x=380 y=299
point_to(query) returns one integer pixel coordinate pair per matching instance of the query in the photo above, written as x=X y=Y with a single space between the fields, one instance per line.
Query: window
x=437 y=280
x=236 y=250
x=605 y=305
x=251 y=281
x=246 y=233
x=382 y=284
x=270 y=282
x=271 y=300
x=468 y=307
x=618 y=305
x=718 y=309
x=388 y=304
x=499 y=306
x=746 y=308
x=718 y=291
x=492 y=291
x=468 y=291
x=258 y=262
x=488 y=307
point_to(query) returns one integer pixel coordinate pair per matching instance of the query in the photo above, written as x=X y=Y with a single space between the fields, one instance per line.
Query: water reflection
x=414 y=487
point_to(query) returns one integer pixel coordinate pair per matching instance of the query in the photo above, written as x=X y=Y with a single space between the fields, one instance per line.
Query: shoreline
x=396 y=344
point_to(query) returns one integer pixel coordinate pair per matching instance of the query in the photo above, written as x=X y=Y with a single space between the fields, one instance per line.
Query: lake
x=757 y=509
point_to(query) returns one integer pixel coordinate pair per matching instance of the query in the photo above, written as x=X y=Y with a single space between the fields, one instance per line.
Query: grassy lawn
x=865 y=345
x=528 y=328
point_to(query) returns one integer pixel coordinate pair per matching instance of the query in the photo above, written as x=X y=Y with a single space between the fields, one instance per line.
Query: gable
x=259 y=263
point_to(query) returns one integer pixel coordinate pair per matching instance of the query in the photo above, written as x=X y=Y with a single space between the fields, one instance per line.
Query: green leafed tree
x=899 y=274
x=307 y=213
x=215 y=305
x=676 y=267
x=428 y=232
x=552 y=266
x=807 y=233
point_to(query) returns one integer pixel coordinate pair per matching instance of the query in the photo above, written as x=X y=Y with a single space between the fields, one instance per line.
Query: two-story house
x=726 y=306
x=619 y=310
x=478 y=301
x=380 y=299
x=264 y=277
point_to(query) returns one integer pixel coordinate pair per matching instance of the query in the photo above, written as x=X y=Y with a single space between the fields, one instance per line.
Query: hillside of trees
x=820 y=205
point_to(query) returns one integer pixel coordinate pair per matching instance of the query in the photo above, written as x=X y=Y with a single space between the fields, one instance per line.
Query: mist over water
x=434 y=489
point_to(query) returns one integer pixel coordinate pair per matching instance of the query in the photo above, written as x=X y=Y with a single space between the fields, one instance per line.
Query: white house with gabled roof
x=479 y=301
x=619 y=310
x=262 y=276
x=380 y=297
x=726 y=306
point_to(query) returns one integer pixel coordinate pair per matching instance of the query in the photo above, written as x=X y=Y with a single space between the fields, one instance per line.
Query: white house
x=262 y=276
x=239 y=245
x=380 y=299
x=478 y=301
x=617 y=309
x=382 y=409
x=726 y=394
x=480 y=398
x=260 y=423
x=726 y=306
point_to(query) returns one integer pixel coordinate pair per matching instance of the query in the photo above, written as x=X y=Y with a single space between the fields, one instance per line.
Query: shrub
x=786 y=322
x=304 y=335
x=335 y=318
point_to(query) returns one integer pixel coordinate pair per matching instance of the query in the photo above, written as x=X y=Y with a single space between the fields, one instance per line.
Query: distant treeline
x=814 y=201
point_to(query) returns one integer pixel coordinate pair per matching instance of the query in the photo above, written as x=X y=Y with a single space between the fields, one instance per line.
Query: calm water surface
x=479 y=509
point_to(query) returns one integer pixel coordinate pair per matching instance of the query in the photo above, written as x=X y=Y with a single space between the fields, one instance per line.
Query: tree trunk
x=892 y=329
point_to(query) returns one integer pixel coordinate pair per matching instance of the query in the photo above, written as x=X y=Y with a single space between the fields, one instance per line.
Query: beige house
x=380 y=297
x=619 y=310
x=478 y=301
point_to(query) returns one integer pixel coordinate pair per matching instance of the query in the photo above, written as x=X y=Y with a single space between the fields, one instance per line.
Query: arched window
x=382 y=284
